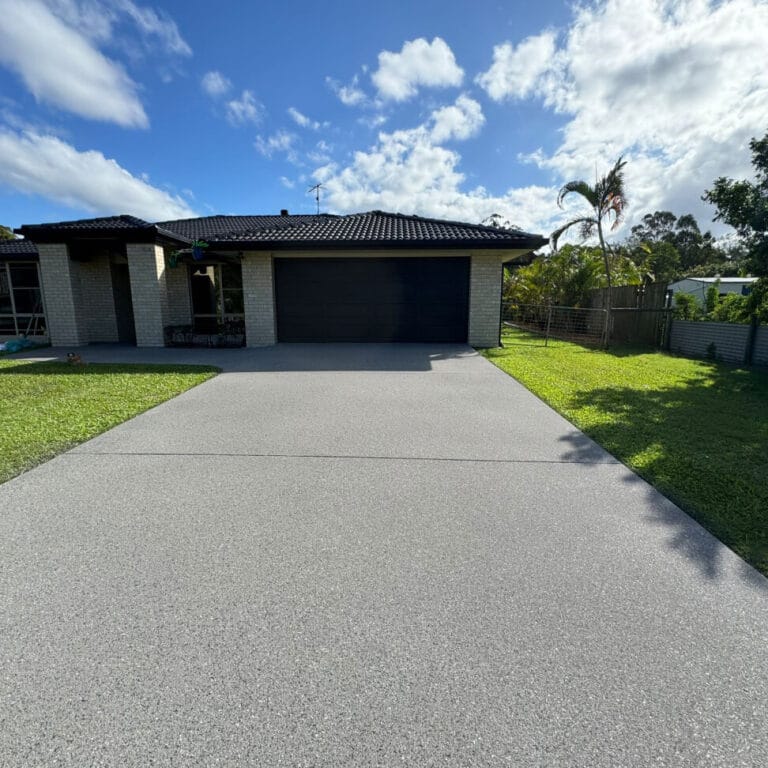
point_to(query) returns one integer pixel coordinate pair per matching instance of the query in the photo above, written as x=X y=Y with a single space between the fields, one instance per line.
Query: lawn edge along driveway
x=49 y=407
x=695 y=429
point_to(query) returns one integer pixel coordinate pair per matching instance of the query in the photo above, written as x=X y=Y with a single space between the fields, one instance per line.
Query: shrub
x=731 y=309
x=686 y=307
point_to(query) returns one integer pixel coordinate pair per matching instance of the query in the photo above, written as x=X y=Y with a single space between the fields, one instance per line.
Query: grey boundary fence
x=729 y=342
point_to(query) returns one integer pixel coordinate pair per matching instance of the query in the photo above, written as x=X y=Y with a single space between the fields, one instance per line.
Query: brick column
x=259 y=299
x=179 y=299
x=96 y=285
x=146 y=265
x=484 y=300
x=62 y=296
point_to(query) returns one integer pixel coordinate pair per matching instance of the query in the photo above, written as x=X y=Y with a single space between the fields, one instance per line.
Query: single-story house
x=257 y=280
x=697 y=286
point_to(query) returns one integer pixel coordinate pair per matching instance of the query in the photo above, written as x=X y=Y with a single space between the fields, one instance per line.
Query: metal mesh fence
x=583 y=326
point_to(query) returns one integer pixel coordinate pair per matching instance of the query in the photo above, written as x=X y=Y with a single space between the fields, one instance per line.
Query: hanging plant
x=173 y=259
x=198 y=249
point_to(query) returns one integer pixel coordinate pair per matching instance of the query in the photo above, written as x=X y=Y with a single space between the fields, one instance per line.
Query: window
x=217 y=295
x=21 y=301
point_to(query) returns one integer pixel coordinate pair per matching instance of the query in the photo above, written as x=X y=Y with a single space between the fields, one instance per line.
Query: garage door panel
x=372 y=299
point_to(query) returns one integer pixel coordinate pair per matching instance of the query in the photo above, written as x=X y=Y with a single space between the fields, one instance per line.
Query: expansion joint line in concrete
x=192 y=454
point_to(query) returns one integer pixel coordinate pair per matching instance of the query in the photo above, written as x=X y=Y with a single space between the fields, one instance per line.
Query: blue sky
x=451 y=109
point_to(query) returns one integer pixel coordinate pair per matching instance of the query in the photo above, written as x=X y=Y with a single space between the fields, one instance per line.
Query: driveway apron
x=366 y=555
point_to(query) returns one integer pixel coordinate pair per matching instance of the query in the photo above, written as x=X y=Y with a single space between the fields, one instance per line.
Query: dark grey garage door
x=372 y=299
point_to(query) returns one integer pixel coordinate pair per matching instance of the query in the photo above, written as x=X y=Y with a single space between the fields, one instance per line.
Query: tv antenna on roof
x=316 y=189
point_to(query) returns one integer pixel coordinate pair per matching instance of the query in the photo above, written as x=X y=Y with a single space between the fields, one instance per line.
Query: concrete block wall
x=98 y=300
x=62 y=296
x=259 y=299
x=485 y=278
x=179 y=299
x=694 y=339
x=146 y=265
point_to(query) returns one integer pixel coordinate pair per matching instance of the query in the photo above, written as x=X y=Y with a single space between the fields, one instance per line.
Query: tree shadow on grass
x=703 y=443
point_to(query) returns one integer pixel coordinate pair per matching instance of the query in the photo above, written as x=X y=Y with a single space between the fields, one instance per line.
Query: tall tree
x=6 y=233
x=744 y=205
x=607 y=200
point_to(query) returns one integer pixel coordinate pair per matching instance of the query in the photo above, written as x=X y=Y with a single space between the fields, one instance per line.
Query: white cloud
x=246 y=109
x=460 y=121
x=349 y=95
x=680 y=87
x=89 y=17
x=287 y=183
x=47 y=166
x=157 y=25
x=419 y=63
x=374 y=121
x=304 y=121
x=321 y=154
x=517 y=71
x=215 y=84
x=408 y=171
x=281 y=142
x=59 y=65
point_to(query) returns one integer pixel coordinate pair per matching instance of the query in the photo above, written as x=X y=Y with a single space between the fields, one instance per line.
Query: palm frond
x=582 y=220
x=612 y=199
x=581 y=188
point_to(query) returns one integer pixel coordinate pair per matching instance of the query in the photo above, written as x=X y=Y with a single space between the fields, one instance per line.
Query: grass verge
x=47 y=408
x=696 y=430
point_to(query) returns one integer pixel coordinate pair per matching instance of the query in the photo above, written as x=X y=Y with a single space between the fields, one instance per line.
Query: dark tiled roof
x=102 y=222
x=17 y=248
x=103 y=226
x=217 y=227
x=377 y=228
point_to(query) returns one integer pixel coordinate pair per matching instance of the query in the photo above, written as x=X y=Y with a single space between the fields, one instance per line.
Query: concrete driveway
x=366 y=556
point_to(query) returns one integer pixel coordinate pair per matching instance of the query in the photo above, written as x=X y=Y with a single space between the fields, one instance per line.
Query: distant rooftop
x=721 y=279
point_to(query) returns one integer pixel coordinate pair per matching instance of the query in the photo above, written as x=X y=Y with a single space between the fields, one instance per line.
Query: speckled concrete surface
x=333 y=562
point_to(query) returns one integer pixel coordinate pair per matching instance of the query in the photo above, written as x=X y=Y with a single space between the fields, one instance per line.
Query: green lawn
x=696 y=430
x=46 y=408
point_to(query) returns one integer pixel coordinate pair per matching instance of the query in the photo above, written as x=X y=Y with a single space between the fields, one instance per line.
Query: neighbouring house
x=697 y=286
x=258 y=280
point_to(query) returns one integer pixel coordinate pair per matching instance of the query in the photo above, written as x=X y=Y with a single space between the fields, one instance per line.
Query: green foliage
x=744 y=205
x=670 y=247
x=757 y=301
x=696 y=430
x=686 y=307
x=731 y=308
x=47 y=408
x=566 y=277
x=712 y=297
x=6 y=233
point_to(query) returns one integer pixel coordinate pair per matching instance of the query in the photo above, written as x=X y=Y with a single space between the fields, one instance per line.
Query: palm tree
x=607 y=201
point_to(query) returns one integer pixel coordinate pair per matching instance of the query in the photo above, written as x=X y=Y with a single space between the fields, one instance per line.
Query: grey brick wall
x=179 y=301
x=694 y=339
x=62 y=295
x=484 y=299
x=98 y=300
x=146 y=265
x=760 y=353
x=259 y=299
